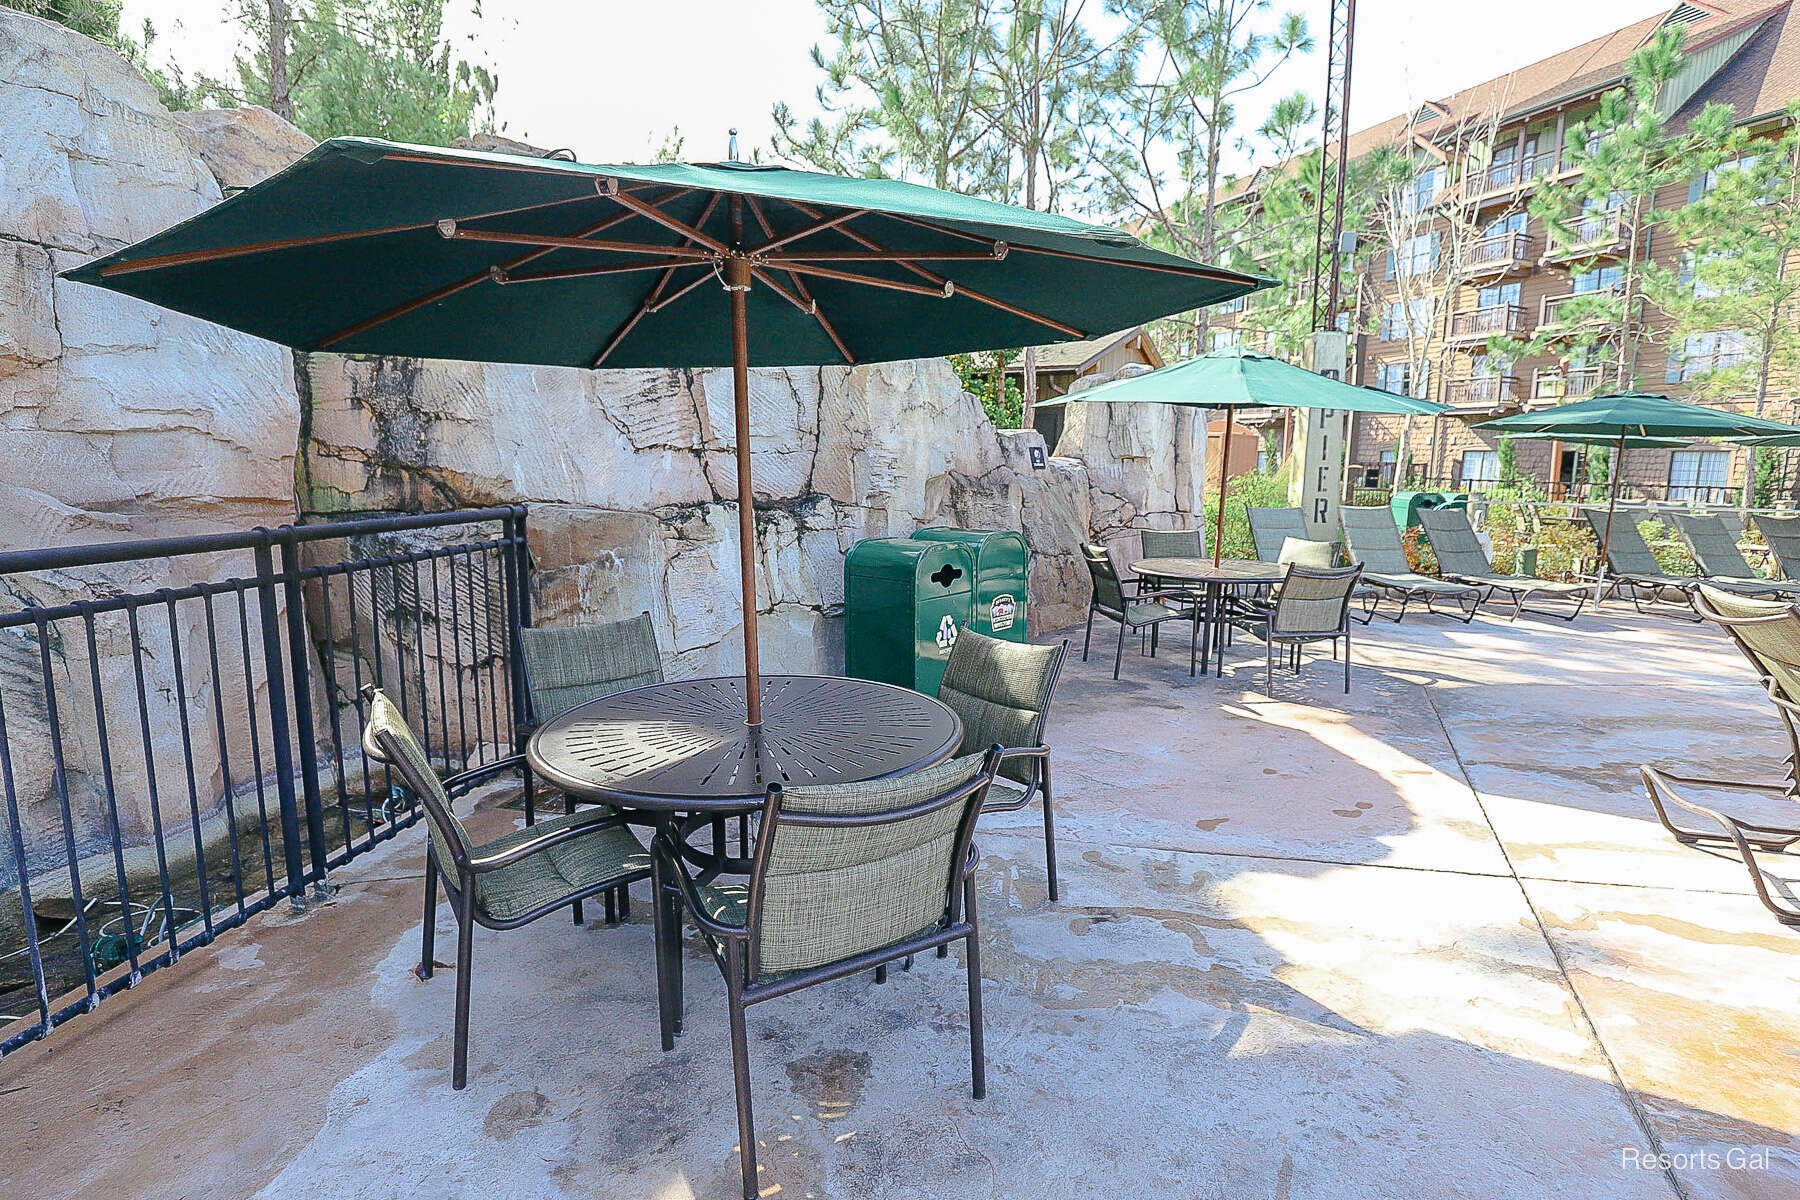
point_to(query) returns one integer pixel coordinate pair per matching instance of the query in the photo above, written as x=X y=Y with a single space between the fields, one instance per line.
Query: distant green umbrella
x=372 y=247
x=1234 y=379
x=1636 y=420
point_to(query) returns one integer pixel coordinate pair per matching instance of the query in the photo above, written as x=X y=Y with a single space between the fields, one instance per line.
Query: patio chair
x=1461 y=558
x=1269 y=527
x=1783 y=537
x=571 y=665
x=1170 y=543
x=1312 y=604
x=503 y=884
x=1716 y=552
x=1110 y=601
x=1630 y=563
x=1373 y=540
x=1002 y=691
x=844 y=878
x=1768 y=633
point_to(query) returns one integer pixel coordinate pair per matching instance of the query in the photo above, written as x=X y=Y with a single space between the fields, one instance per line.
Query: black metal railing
x=176 y=759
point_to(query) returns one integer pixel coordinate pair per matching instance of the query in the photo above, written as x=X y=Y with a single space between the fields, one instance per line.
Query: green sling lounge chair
x=1768 y=633
x=1460 y=557
x=1631 y=565
x=844 y=878
x=1783 y=537
x=503 y=884
x=1716 y=551
x=1373 y=540
x=1270 y=527
x=1002 y=692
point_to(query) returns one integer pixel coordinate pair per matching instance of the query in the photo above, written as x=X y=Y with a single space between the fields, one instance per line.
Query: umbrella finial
x=732 y=151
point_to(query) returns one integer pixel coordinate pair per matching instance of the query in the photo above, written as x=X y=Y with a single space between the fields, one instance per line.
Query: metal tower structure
x=1334 y=161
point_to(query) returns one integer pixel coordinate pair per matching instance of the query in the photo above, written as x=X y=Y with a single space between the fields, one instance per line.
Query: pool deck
x=1422 y=941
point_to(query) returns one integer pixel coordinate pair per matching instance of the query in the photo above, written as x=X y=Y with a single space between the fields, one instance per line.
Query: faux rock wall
x=120 y=420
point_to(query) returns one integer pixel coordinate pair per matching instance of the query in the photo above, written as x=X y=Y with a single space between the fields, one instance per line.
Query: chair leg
x=624 y=902
x=1088 y=636
x=465 y=972
x=740 y=1064
x=881 y=973
x=1346 y=660
x=977 y=1058
x=1049 y=835
x=530 y=797
x=1269 y=668
x=1119 y=654
x=428 y=936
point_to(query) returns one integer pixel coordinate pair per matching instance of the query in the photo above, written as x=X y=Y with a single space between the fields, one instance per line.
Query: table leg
x=665 y=915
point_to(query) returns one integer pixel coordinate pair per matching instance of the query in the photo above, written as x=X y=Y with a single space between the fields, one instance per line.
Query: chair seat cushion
x=1144 y=614
x=576 y=865
x=726 y=903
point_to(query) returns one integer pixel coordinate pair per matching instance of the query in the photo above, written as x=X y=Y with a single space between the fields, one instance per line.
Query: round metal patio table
x=1214 y=578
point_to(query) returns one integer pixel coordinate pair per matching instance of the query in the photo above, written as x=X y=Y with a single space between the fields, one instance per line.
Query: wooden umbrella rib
x=995 y=255
x=678 y=293
x=768 y=281
x=819 y=226
x=450 y=289
x=652 y=302
x=555 y=242
x=652 y=213
x=801 y=288
x=655 y=264
x=1194 y=272
x=980 y=297
x=523 y=167
x=193 y=256
x=943 y=292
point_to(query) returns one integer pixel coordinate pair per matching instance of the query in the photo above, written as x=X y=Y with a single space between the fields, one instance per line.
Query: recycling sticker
x=946 y=634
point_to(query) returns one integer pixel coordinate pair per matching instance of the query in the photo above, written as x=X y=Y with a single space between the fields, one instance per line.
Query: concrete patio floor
x=1422 y=941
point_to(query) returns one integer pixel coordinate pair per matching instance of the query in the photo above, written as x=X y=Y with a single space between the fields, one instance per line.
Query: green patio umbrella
x=1632 y=420
x=1234 y=379
x=373 y=247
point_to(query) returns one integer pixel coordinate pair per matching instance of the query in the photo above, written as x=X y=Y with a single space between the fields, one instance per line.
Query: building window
x=1235 y=304
x=1425 y=187
x=1386 y=469
x=1223 y=339
x=1480 y=470
x=1601 y=279
x=1497 y=294
x=1395 y=377
x=1704 y=353
x=1395 y=325
x=1512 y=222
x=1699 y=475
x=1710 y=180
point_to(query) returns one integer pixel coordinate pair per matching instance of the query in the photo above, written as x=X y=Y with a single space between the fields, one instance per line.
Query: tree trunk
x=1628 y=326
x=280 y=23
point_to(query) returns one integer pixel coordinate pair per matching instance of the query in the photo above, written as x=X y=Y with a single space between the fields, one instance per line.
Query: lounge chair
x=1002 y=692
x=503 y=884
x=1783 y=537
x=844 y=878
x=1716 y=552
x=1768 y=633
x=1269 y=527
x=1630 y=564
x=1373 y=540
x=1461 y=558
x=1312 y=604
x=1110 y=601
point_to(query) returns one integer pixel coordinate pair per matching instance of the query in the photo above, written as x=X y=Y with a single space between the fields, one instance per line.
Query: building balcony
x=1496 y=320
x=1556 y=384
x=1505 y=180
x=1483 y=392
x=1604 y=234
x=1500 y=255
x=1562 y=315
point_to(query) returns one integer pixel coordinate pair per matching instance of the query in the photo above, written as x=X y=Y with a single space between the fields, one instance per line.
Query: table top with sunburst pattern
x=682 y=745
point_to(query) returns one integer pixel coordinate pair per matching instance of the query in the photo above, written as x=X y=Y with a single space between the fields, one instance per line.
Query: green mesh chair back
x=1767 y=631
x=1626 y=551
x=1002 y=692
x=388 y=739
x=1713 y=546
x=1373 y=540
x=576 y=663
x=1306 y=552
x=1270 y=527
x=1783 y=537
x=1313 y=600
x=849 y=868
x=1454 y=542
x=1109 y=596
x=1174 y=543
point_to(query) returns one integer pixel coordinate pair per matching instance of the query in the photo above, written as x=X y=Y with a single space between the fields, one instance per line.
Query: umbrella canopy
x=372 y=247
x=1629 y=420
x=1235 y=378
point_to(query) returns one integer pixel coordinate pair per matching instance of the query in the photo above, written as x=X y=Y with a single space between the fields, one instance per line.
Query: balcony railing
x=1593 y=233
x=1482 y=391
x=1500 y=252
x=1554 y=312
x=1572 y=383
x=1492 y=321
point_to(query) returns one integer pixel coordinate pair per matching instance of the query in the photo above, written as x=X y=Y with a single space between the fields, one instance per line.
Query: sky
x=610 y=78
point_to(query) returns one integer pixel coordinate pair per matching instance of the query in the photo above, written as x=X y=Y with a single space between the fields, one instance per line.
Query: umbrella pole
x=737 y=281
x=1612 y=503
x=1224 y=465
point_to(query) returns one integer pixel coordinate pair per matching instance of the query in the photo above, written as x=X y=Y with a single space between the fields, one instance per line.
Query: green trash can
x=1406 y=505
x=1002 y=569
x=904 y=600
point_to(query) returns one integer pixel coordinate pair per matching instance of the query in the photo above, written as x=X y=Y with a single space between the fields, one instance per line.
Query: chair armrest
x=690 y=891
x=592 y=821
x=1025 y=752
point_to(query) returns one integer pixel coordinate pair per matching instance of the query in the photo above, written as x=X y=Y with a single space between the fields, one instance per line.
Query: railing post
x=280 y=745
x=519 y=568
x=308 y=748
